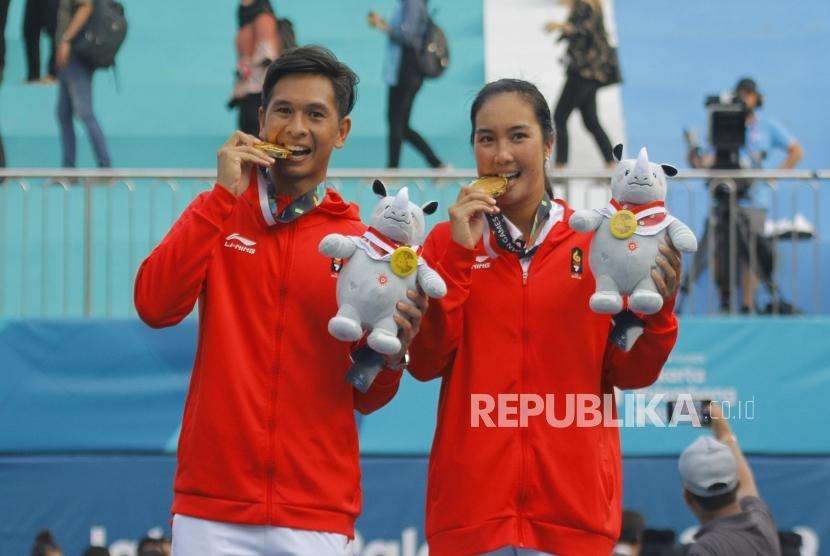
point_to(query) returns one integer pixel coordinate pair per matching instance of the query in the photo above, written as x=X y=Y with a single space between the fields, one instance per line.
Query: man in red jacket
x=268 y=459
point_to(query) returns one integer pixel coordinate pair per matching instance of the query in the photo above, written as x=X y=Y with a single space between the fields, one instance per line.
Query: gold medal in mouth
x=492 y=185
x=273 y=150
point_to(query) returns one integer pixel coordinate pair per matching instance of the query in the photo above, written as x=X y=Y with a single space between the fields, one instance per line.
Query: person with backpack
x=75 y=83
x=407 y=32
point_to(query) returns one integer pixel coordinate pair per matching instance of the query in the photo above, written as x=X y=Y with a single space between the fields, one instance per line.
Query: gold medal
x=404 y=261
x=623 y=224
x=274 y=150
x=492 y=185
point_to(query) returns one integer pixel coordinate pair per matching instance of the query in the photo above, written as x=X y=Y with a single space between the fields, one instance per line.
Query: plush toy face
x=638 y=181
x=398 y=218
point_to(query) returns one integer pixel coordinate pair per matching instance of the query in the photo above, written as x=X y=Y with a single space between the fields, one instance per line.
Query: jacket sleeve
x=382 y=390
x=642 y=365
x=432 y=352
x=410 y=30
x=170 y=280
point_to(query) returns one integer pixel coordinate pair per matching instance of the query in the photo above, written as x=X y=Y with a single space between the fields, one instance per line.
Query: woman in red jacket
x=517 y=348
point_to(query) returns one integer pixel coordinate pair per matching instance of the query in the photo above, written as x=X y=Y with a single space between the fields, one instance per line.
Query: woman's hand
x=408 y=320
x=671 y=264
x=553 y=26
x=467 y=216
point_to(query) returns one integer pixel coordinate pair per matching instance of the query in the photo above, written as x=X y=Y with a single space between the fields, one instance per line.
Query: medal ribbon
x=296 y=207
x=640 y=211
x=498 y=224
x=383 y=244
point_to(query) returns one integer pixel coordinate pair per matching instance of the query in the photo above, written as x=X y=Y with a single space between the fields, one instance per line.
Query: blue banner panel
x=118 y=499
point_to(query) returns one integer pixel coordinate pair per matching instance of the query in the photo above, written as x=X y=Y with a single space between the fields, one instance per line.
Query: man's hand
x=466 y=216
x=234 y=159
x=62 y=54
x=409 y=323
x=720 y=426
x=671 y=264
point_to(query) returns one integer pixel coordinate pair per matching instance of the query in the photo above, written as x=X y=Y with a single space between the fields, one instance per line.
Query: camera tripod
x=733 y=241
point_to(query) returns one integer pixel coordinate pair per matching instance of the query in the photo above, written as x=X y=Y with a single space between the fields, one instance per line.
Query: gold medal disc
x=404 y=261
x=273 y=150
x=492 y=185
x=623 y=224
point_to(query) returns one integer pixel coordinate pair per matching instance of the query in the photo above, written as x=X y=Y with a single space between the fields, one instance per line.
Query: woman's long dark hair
x=531 y=95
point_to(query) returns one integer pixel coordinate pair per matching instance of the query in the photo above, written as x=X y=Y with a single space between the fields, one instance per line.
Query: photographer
x=741 y=144
x=719 y=488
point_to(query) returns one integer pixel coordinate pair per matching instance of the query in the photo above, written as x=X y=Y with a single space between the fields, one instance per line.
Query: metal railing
x=71 y=240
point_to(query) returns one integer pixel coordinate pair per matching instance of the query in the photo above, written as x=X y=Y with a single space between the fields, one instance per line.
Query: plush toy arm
x=431 y=282
x=682 y=237
x=337 y=245
x=585 y=220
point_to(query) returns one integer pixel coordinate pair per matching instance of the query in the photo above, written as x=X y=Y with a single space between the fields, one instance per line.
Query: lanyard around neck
x=498 y=224
x=298 y=206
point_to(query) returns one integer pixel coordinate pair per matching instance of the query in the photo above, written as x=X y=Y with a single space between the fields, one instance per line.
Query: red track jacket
x=496 y=332
x=268 y=434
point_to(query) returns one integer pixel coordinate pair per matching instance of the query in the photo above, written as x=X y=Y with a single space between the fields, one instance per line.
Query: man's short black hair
x=314 y=60
x=715 y=503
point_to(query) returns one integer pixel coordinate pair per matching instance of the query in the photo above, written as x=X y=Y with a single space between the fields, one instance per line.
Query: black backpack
x=434 y=56
x=102 y=36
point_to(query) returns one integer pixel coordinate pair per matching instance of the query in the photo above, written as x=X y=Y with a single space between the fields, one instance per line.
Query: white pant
x=199 y=537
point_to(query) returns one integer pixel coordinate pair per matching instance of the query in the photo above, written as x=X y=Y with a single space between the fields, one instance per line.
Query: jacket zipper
x=287 y=257
x=523 y=431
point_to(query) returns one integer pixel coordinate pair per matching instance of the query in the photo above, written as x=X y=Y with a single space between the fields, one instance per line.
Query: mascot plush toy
x=379 y=267
x=628 y=232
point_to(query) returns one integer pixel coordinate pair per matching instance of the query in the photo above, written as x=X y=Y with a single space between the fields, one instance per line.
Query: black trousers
x=248 y=107
x=4 y=11
x=399 y=109
x=579 y=93
x=40 y=15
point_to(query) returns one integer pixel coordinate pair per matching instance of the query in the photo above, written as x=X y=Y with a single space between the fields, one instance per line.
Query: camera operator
x=761 y=136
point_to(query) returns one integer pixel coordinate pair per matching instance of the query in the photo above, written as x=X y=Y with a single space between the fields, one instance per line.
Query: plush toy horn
x=401 y=199
x=641 y=168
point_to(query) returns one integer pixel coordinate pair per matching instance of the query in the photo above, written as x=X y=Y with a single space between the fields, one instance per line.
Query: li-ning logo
x=482 y=261
x=576 y=262
x=236 y=241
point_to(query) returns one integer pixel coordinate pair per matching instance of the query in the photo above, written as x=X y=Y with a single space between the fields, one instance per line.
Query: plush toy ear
x=669 y=169
x=379 y=188
x=430 y=207
x=618 y=152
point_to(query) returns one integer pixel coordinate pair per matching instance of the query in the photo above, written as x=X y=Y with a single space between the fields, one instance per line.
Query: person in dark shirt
x=719 y=488
x=591 y=64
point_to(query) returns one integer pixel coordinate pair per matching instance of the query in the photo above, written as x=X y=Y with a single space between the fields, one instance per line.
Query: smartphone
x=701 y=408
